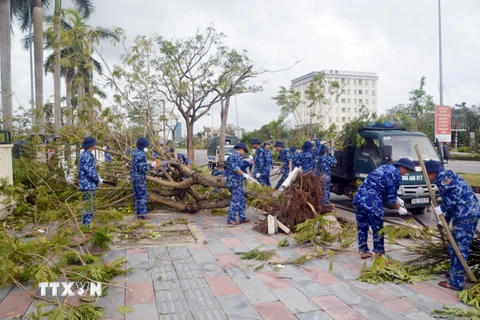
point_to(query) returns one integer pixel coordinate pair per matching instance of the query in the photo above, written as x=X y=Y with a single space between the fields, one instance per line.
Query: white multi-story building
x=357 y=89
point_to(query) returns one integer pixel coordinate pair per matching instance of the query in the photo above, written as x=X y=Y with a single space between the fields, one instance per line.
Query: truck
x=385 y=146
x=213 y=148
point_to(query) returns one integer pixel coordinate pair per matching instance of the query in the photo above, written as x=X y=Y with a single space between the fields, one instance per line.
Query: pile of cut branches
x=298 y=203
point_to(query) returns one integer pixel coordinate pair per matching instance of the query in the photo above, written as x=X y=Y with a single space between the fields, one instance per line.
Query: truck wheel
x=417 y=211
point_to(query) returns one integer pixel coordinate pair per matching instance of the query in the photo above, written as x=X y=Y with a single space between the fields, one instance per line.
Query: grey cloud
x=396 y=39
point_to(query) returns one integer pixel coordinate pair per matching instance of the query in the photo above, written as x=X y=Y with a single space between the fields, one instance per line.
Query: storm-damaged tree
x=186 y=72
x=192 y=74
x=319 y=99
x=419 y=114
x=235 y=70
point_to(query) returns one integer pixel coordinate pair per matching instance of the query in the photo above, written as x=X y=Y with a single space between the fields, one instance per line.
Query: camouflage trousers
x=267 y=178
x=326 y=190
x=88 y=206
x=282 y=180
x=141 y=196
x=237 y=205
x=365 y=221
x=462 y=232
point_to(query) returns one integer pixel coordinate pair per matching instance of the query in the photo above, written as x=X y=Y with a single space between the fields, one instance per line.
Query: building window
x=348 y=81
x=343 y=100
x=343 y=81
x=336 y=100
x=348 y=110
x=373 y=101
x=354 y=91
x=355 y=110
x=330 y=120
x=360 y=82
x=373 y=93
x=360 y=92
x=355 y=82
x=366 y=82
x=348 y=91
x=355 y=101
x=366 y=92
x=348 y=119
x=348 y=100
x=343 y=110
x=360 y=101
x=338 y=119
x=343 y=119
x=366 y=101
x=343 y=91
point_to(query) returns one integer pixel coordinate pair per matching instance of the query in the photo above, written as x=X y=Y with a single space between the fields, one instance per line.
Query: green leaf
x=125 y=309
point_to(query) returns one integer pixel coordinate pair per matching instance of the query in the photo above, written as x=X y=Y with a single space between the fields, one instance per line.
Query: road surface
x=455 y=165
x=427 y=218
x=463 y=166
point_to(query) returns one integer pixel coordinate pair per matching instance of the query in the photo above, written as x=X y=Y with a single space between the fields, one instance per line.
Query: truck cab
x=213 y=149
x=385 y=146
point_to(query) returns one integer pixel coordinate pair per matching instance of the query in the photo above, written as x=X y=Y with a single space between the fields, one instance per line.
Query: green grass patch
x=472 y=178
x=219 y=212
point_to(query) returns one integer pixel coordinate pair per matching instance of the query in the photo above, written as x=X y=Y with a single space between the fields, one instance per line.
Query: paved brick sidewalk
x=208 y=281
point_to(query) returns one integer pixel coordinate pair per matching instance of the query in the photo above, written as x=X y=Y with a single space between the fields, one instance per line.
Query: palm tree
x=23 y=11
x=38 y=54
x=6 y=67
x=80 y=39
x=85 y=8
x=68 y=71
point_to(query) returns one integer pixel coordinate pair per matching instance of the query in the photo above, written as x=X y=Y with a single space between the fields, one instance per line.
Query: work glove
x=251 y=179
x=276 y=170
x=145 y=150
x=400 y=202
x=100 y=181
x=246 y=176
x=402 y=211
x=438 y=211
x=258 y=175
x=155 y=163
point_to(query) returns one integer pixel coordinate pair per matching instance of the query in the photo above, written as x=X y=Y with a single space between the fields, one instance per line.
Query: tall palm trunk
x=38 y=53
x=6 y=67
x=56 y=68
x=68 y=85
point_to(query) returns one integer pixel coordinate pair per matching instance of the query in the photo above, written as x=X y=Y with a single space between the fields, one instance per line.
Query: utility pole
x=440 y=50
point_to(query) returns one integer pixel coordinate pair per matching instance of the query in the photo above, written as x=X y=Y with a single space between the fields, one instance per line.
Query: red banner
x=443 y=123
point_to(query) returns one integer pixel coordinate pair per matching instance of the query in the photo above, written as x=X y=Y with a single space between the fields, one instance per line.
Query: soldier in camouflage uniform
x=285 y=157
x=138 y=174
x=269 y=162
x=378 y=189
x=88 y=179
x=235 y=179
x=460 y=206
x=324 y=164
x=260 y=168
x=307 y=158
x=184 y=160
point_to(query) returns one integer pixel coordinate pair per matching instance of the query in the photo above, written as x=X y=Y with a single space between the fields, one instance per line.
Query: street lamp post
x=440 y=50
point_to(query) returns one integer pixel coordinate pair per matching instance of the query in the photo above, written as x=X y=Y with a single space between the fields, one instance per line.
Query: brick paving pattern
x=206 y=281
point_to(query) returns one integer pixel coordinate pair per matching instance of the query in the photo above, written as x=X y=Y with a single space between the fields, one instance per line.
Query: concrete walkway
x=206 y=280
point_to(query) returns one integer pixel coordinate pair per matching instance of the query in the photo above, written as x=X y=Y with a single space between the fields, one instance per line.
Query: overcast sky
x=396 y=39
